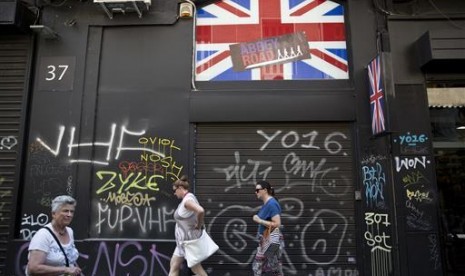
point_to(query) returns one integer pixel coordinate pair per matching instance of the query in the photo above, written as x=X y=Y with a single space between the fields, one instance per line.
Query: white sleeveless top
x=186 y=221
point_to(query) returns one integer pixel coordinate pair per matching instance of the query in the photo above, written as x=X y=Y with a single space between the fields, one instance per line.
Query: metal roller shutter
x=14 y=62
x=310 y=166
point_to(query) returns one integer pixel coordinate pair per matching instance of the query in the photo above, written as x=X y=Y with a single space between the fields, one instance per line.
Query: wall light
x=186 y=10
x=44 y=31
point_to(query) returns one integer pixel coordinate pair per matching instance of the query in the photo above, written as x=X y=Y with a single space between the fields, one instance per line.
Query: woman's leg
x=257 y=265
x=175 y=265
x=276 y=261
x=276 y=267
x=198 y=270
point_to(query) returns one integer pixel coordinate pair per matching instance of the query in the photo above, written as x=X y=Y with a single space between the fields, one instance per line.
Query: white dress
x=186 y=221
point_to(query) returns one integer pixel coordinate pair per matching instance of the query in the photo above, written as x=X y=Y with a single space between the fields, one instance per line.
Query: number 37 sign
x=57 y=73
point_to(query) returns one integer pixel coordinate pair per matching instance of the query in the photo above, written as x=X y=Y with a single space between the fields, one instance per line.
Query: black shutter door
x=15 y=54
x=310 y=167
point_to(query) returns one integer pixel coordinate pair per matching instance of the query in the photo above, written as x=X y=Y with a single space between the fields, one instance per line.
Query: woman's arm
x=36 y=266
x=275 y=221
x=196 y=208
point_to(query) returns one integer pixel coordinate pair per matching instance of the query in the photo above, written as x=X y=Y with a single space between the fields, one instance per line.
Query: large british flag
x=377 y=98
x=237 y=21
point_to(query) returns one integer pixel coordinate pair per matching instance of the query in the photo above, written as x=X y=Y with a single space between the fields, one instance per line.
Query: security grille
x=15 y=54
x=310 y=166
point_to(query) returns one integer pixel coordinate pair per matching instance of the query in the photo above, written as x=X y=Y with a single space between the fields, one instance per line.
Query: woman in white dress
x=45 y=255
x=189 y=217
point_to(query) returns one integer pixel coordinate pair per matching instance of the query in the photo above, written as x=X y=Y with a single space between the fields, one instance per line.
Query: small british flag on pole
x=229 y=22
x=377 y=96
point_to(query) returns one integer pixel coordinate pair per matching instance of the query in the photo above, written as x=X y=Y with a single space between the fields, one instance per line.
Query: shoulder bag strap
x=59 y=244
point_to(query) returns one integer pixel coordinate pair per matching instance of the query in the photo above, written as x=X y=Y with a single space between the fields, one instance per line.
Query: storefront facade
x=116 y=106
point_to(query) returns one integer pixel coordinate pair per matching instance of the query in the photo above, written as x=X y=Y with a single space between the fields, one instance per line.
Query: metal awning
x=441 y=51
x=446 y=97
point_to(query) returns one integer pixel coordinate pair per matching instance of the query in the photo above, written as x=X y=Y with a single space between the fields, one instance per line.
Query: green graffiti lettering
x=134 y=183
x=152 y=182
x=109 y=184
x=124 y=181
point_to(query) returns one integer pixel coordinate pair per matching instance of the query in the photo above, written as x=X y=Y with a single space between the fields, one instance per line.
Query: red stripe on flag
x=307 y=7
x=252 y=32
x=232 y=9
x=329 y=59
x=270 y=9
x=211 y=62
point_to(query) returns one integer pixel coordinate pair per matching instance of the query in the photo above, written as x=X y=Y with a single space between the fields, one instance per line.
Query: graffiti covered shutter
x=14 y=61
x=310 y=167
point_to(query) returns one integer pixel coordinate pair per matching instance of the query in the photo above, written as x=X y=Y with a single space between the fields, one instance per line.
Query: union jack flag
x=377 y=98
x=237 y=21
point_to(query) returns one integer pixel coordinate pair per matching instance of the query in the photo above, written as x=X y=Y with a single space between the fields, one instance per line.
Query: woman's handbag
x=271 y=241
x=199 y=249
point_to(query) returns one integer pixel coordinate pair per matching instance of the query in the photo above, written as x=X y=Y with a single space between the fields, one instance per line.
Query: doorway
x=448 y=128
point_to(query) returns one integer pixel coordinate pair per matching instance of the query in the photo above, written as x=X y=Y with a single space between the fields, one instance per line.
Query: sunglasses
x=258 y=190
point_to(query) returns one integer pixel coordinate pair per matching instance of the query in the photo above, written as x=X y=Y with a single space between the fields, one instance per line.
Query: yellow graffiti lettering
x=418 y=195
x=152 y=140
x=165 y=162
x=150 y=157
x=109 y=184
x=161 y=142
x=166 y=142
x=175 y=171
x=124 y=181
x=134 y=183
x=152 y=182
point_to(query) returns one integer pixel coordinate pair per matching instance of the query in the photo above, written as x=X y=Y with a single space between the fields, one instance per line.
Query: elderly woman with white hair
x=52 y=250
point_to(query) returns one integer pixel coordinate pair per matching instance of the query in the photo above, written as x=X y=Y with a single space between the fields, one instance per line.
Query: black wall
x=109 y=125
x=415 y=186
x=124 y=111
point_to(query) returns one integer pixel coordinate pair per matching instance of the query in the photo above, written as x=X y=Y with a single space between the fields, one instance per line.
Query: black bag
x=271 y=241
